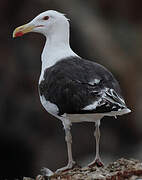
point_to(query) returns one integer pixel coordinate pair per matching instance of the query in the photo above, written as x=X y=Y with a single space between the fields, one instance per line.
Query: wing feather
x=80 y=86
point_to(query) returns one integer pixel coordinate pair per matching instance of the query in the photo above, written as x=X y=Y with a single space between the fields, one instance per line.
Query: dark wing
x=80 y=86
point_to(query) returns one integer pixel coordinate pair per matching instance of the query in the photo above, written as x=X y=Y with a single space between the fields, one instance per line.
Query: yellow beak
x=21 y=30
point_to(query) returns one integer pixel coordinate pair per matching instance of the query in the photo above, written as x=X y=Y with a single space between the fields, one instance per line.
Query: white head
x=55 y=27
x=49 y=23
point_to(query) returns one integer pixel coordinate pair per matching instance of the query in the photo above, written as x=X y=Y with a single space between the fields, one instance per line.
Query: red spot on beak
x=19 y=34
x=40 y=26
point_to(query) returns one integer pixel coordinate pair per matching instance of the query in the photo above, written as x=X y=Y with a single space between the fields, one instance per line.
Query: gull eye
x=45 y=18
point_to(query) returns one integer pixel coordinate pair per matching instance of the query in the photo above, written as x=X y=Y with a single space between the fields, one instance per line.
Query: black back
x=68 y=84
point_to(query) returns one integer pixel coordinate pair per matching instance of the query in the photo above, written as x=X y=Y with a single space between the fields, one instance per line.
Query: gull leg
x=97 y=161
x=68 y=138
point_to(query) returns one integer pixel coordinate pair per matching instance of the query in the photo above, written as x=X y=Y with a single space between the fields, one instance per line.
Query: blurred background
x=106 y=31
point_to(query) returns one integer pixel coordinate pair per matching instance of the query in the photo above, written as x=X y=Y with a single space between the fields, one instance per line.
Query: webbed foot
x=69 y=166
x=96 y=162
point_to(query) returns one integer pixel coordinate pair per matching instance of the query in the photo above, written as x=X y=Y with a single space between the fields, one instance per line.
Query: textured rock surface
x=118 y=170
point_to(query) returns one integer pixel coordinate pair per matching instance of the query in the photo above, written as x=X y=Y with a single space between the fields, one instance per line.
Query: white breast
x=50 y=107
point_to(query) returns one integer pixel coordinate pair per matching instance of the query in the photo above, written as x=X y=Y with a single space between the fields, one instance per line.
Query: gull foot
x=46 y=172
x=69 y=166
x=96 y=162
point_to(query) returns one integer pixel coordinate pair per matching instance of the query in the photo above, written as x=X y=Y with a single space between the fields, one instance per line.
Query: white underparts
x=50 y=107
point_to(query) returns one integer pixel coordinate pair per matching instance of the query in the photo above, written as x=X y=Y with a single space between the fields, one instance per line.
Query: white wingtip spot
x=94 y=81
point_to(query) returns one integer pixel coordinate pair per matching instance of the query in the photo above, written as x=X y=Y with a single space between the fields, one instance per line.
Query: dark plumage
x=68 y=85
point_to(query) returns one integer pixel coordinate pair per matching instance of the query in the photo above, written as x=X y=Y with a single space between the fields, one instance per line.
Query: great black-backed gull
x=71 y=88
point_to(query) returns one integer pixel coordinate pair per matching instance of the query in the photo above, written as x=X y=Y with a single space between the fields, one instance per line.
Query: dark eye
x=45 y=18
